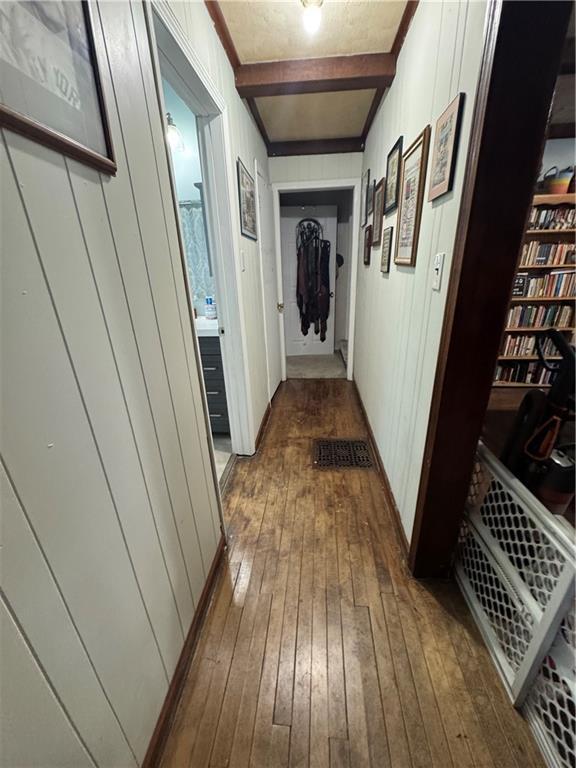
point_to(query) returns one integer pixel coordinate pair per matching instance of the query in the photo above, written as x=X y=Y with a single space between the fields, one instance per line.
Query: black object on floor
x=338 y=454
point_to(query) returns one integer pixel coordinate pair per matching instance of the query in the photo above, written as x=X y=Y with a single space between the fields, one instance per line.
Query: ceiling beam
x=315 y=147
x=252 y=106
x=223 y=32
x=401 y=33
x=332 y=73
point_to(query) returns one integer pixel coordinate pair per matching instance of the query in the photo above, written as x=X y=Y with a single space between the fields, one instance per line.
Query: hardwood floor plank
x=318 y=650
x=417 y=740
x=337 y=722
x=300 y=732
x=319 y=745
x=339 y=753
x=377 y=738
x=357 y=727
x=243 y=734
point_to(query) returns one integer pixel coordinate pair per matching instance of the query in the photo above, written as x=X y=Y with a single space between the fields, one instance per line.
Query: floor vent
x=338 y=454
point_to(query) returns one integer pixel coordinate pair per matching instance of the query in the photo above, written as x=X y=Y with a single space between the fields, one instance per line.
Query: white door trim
x=219 y=176
x=316 y=186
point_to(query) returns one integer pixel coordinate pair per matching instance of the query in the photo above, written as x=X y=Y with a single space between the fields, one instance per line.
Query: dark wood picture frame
x=53 y=139
x=392 y=189
x=371 y=191
x=422 y=143
x=367 y=244
x=387 y=235
x=378 y=218
x=251 y=234
x=448 y=153
x=364 y=197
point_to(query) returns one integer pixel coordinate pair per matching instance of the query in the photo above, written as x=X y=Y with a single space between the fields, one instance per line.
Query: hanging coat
x=313 y=278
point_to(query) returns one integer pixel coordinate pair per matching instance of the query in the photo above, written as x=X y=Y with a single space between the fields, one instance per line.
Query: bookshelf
x=542 y=297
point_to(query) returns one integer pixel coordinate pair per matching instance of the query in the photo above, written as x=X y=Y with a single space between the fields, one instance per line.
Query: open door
x=269 y=283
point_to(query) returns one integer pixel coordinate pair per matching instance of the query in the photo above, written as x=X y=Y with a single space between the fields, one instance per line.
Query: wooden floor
x=318 y=648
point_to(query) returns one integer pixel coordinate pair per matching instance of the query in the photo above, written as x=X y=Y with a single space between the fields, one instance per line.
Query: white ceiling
x=273 y=31
x=336 y=115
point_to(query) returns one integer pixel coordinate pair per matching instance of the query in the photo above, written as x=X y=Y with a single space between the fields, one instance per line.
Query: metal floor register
x=339 y=454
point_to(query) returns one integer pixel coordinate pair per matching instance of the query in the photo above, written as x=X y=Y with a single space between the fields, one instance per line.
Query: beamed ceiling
x=312 y=93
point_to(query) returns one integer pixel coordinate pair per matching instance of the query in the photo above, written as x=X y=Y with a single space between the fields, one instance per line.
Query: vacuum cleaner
x=540 y=450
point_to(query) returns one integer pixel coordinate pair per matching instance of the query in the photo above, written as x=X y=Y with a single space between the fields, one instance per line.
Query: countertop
x=205 y=327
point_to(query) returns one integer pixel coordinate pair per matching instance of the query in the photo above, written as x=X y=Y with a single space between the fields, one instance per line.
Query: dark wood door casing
x=521 y=58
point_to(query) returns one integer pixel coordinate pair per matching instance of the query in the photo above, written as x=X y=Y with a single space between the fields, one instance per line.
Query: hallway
x=318 y=648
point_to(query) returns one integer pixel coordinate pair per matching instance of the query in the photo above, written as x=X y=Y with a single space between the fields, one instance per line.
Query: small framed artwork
x=413 y=178
x=370 y=206
x=392 y=189
x=50 y=88
x=378 y=213
x=386 y=249
x=247 y=200
x=367 y=244
x=445 y=148
x=364 y=197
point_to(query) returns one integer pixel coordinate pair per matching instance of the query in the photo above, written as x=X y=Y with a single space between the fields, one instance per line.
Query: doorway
x=201 y=173
x=327 y=213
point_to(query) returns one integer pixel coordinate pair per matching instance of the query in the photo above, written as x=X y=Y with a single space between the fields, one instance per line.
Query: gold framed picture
x=413 y=178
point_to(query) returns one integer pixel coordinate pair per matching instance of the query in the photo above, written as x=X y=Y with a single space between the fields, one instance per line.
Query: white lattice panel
x=516 y=565
x=551 y=702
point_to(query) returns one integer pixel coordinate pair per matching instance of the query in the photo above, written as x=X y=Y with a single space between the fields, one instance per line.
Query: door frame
x=219 y=179
x=323 y=185
x=267 y=331
x=508 y=132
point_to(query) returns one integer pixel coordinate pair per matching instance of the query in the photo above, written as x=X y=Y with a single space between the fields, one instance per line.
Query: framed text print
x=413 y=177
x=445 y=148
x=50 y=89
x=247 y=201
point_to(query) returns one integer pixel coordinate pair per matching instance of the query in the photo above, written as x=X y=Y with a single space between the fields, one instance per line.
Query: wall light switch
x=437 y=271
x=242 y=261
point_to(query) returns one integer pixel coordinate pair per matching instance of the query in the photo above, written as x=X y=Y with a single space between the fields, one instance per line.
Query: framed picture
x=413 y=178
x=247 y=201
x=364 y=197
x=378 y=213
x=367 y=244
x=386 y=249
x=370 y=205
x=50 y=88
x=392 y=189
x=445 y=148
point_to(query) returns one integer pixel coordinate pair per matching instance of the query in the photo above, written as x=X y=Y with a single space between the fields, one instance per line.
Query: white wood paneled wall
x=109 y=512
x=315 y=167
x=398 y=316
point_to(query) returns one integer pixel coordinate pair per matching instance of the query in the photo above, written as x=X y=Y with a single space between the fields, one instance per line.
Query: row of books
x=524 y=345
x=540 y=316
x=557 y=283
x=536 y=253
x=561 y=217
x=522 y=373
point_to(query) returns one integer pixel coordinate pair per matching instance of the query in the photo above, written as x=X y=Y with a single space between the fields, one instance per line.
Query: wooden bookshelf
x=546 y=232
x=563 y=267
x=530 y=329
x=519 y=385
x=549 y=299
x=509 y=394
x=568 y=199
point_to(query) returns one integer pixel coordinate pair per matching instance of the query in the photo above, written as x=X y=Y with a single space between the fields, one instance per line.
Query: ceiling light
x=173 y=135
x=312 y=15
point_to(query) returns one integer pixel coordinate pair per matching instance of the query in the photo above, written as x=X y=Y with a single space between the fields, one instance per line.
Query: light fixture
x=312 y=15
x=173 y=135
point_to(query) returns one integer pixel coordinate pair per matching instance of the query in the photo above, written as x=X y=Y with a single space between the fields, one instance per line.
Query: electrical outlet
x=437 y=271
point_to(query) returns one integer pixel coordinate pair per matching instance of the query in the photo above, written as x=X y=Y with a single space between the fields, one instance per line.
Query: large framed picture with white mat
x=50 y=88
